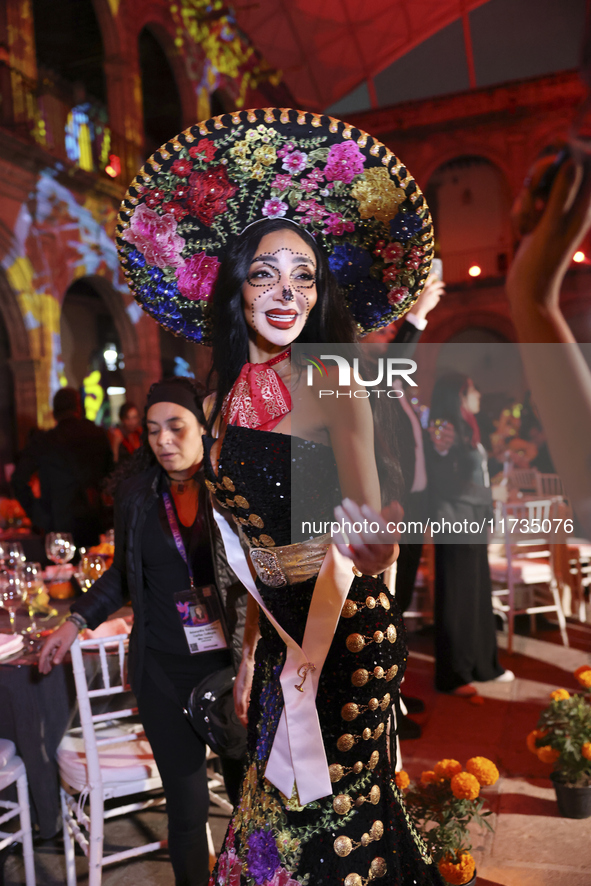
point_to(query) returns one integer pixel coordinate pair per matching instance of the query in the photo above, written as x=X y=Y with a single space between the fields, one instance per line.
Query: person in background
x=126 y=436
x=59 y=475
x=459 y=490
x=412 y=463
x=163 y=477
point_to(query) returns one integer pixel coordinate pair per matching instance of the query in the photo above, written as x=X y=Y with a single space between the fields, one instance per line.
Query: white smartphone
x=437 y=268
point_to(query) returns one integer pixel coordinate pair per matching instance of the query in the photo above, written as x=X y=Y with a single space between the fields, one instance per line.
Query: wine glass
x=13 y=555
x=12 y=593
x=93 y=566
x=30 y=575
x=59 y=547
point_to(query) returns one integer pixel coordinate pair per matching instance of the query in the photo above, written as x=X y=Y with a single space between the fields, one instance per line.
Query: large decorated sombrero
x=204 y=187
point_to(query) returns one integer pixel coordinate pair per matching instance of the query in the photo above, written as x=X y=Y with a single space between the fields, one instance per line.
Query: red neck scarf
x=259 y=398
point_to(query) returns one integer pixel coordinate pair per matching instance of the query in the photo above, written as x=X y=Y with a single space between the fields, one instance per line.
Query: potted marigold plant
x=442 y=804
x=563 y=739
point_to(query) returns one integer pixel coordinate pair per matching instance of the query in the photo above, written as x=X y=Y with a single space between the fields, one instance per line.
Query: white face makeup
x=471 y=399
x=280 y=289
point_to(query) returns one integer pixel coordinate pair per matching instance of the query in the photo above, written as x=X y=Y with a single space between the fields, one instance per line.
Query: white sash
x=298 y=753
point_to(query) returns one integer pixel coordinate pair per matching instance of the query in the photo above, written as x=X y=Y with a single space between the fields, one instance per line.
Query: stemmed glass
x=12 y=593
x=30 y=575
x=59 y=547
x=93 y=566
x=13 y=555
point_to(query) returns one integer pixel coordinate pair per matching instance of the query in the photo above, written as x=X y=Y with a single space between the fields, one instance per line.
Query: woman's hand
x=56 y=646
x=544 y=255
x=443 y=436
x=375 y=547
x=242 y=687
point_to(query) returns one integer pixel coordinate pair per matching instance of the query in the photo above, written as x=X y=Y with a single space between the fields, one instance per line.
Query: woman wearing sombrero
x=251 y=232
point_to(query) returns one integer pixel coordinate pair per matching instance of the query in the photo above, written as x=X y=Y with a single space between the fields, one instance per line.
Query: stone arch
x=455 y=321
x=472 y=224
x=21 y=363
x=162 y=108
x=162 y=32
x=133 y=373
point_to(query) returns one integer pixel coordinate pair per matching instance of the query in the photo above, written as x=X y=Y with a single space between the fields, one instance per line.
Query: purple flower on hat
x=274 y=208
x=156 y=238
x=349 y=263
x=295 y=162
x=197 y=277
x=344 y=162
x=263 y=857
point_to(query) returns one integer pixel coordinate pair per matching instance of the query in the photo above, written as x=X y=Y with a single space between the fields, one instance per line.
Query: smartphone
x=545 y=183
x=437 y=268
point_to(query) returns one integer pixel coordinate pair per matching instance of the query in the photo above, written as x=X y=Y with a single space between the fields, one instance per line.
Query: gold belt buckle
x=268 y=568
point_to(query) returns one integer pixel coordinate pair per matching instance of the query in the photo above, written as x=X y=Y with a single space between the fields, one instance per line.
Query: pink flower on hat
x=397 y=295
x=229 y=869
x=282 y=182
x=197 y=277
x=282 y=877
x=295 y=162
x=393 y=252
x=155 y=237
x=274 y=208
x=344 y=162
x=336 y=224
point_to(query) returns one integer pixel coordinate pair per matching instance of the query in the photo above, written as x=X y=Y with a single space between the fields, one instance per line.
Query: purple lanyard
x=176 y=534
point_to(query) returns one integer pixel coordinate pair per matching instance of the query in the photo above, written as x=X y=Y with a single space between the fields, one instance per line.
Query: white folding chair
x=527 y=565
x=107 y=757
x=549 y=484
x=12 y=769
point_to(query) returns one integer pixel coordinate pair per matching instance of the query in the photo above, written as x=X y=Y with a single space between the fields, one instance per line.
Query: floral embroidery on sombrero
x=200 y=190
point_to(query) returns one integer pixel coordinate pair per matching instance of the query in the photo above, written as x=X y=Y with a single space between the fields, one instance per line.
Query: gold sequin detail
x=241 y=502
x=256 y=521
x=391 y=634
x=360 y=677
x=378 y=867
x=211 y=486
x=355 y=642
x=266 y=540
x=228 y=484
x=346 y=742
x=378 y=637
x=349 y=609
x=342 y=804
x=230 y=502
x=391 y=672
x=377 y=830
x=383 y=599
x=343 y=846
x=353 y=880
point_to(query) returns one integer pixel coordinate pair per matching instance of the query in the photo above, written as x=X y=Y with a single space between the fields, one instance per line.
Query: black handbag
x=211 y=712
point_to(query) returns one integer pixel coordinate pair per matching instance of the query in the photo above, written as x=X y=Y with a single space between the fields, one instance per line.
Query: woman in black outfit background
x=149 y=569
x=459 y=489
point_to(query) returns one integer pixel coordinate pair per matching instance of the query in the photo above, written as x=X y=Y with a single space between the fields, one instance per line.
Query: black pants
x=407 y=567
x=180 y=756
x=465 y=630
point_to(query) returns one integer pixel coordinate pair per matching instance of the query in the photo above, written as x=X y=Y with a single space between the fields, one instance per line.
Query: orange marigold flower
x=428 y=777
x=483 y=770
x=458 y=871
x=447 y=768
x=583 y=675
x=465 y=786
x=531 y=739
x=586 y=750
x=402 y=780
x=548 y=754
x=559 y=695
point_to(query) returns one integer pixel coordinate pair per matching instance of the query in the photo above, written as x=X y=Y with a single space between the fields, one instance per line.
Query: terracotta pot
x=572 y=802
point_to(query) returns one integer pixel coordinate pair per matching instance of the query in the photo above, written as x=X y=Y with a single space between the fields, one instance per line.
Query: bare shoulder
x=208 y=404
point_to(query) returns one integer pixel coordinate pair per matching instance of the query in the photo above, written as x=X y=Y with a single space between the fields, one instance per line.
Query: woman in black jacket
x=161 y=511
x=459 y=489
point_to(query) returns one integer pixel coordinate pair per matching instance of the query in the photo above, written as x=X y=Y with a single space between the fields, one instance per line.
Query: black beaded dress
x=361 y=833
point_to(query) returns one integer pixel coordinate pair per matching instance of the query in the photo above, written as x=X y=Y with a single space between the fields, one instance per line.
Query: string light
x=113 y=167
x=579 y=256
x=475 y=271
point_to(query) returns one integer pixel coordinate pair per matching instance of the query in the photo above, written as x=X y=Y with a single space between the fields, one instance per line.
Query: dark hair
x=446 y=404
x=143 y=458
x=329 y=320
x=66 y=402
x=126 y=409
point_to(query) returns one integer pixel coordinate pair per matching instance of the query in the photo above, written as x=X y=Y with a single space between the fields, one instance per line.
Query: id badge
x=201 y=618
